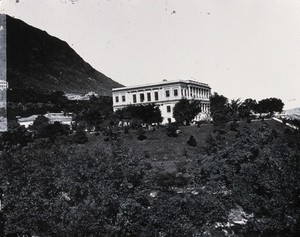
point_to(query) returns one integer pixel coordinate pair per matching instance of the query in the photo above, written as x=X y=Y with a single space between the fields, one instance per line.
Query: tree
x=52 y=131
x=39 y=124
x=15 y=136
x=80 y=136
x=72 y=190
x=146 y=113
x=249 y=105
x=219 y=109
x=185 y=111
x=270 y=106
x=93 y=112
x=234 y=106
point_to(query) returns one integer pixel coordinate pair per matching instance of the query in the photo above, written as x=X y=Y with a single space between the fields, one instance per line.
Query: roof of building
x=161 y=84
x=50 y=116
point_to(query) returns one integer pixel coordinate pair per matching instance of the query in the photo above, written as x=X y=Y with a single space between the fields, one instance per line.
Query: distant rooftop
x=164 y=82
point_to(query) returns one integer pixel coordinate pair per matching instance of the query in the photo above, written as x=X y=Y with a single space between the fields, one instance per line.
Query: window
x=156 y=95
x=117 y=99
x=167 y=93
x=175 y=92
x=148 y=96
x=142 y=97
x=123 y=98
x=169 y=109
x=134 y=98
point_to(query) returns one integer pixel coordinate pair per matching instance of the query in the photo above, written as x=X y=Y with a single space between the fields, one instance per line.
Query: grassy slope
x=164 y=152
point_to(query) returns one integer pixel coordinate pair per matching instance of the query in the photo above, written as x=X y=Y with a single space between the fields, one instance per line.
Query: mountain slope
x=293 y=113
x=40 y=61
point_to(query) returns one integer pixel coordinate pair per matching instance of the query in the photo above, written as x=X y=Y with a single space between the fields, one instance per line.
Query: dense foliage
x=92 y=113
x=219 y=109
x=148 y=114
x=269 y=105
x=55 y=182
x=223 y=111
x=64 y=189
x=185 y=111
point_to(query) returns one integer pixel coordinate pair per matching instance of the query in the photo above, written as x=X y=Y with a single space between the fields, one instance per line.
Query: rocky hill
x=43 y=62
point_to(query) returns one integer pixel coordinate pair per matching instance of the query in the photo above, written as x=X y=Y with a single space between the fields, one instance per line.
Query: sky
x=241 y=48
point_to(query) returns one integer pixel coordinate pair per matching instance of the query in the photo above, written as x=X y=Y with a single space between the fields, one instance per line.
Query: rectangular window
x=156 y=95
x=117 y=99
x=123 y=98
x=148 y=96
x=169 y=109
x=142 y=97
x=175 y=92
x=167 y=93
x=134 y=98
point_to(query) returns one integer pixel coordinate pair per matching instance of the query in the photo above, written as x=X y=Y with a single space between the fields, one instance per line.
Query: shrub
x=172 y=130
x=141 y=134
x=80 y=136
x=147 y=155
x=192 y=141
x=126 y=130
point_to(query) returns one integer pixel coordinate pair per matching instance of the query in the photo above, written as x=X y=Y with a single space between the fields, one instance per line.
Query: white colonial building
x=164 y=94
x=3 y=85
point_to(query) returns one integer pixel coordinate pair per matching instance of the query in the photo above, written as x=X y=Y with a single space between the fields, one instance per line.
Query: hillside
x=242 y=181
x=40 y=61
x=293 y=113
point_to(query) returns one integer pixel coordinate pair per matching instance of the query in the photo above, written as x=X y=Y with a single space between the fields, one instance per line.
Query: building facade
x=165 y=95
x=3 y=85
x=3 y=82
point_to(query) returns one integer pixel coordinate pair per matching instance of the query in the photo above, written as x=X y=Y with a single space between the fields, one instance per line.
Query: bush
x=17 y=136
x=171 y=130
x=141 y=134
x=80 y=136
x=192 y=141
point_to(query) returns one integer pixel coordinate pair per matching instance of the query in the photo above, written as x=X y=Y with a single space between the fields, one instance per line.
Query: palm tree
x=234 y=106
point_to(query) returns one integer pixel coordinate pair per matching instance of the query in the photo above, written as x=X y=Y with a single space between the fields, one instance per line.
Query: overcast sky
x=241 y=48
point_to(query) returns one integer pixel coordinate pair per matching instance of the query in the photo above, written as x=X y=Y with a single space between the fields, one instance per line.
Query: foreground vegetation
x=232 y=177
x=117 y=185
